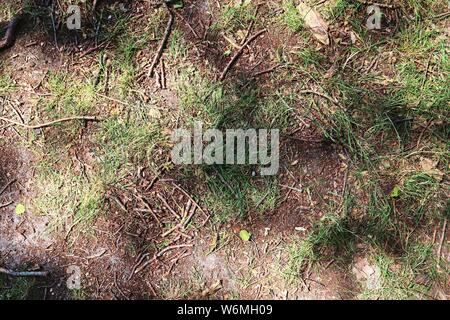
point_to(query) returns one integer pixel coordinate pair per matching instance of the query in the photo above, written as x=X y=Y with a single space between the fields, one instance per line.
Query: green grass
x=331 y=237
x=15 y=289
x=232 y=192
x=70 y=96
x=339 y=9
x=310 y=57
x=8 y=9
x=71 y=201
x=6 y=85
x=399 y=277
x=235 y=17
x=178 y=48
x=125 y=144
x=291 y=17
x=420 y=193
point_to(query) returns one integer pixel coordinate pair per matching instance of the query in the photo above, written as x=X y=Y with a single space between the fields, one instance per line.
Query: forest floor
x=358 y=209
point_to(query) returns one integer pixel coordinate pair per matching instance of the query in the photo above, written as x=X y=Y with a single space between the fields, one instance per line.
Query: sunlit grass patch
x=235 y=16
x=178 y=48
x=123 y=144
x=69 y=96
x=70 y=200
x=407 y=277
x=291 y=16
x=6 y=85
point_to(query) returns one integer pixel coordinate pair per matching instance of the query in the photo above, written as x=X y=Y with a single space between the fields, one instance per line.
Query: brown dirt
x=121 y=237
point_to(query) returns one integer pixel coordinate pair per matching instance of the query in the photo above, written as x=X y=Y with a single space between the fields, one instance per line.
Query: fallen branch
x=188 y=24
x=168 y=206
x=24 y=273
x=239 y=53
x=51 y=123
x=163 y=42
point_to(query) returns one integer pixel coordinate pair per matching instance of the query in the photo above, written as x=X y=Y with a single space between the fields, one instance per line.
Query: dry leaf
x=314 y=21
x=428 y=166
x=216 y=286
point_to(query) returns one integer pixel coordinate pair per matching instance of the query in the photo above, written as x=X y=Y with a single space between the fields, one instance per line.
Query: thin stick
x=94 y=5
x=252 y=23
x=163 y=42
x=113 y=99
x=239 y=53
x=159 y=254
x=323 y=96
x=444 y=228
x=188 y=24
x=260 y=73
x=190 y=198
x=24 y=273
x=7 y=185
x=55 y=37
x=6 y=204
x=168 y=206
x=51 y=123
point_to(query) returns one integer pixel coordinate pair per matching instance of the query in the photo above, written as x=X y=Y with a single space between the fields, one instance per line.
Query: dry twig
x=24 y=273
x=163 y=42
x=239 y=54
x=441 y=242
x=51 y=123
x=6 y=186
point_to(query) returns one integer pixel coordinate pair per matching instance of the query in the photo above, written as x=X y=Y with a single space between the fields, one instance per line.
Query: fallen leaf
x=314 y=22
x=245 y=235
x=428 y=166
x=212 y=289
x=178 y=4
x=20 y=209
x=353 y=37
x=395 y=193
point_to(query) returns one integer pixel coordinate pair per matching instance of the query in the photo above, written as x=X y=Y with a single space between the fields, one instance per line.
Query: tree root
x=9 y=38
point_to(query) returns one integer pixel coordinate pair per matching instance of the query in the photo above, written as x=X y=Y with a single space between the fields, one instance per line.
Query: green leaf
x=178 y=4
x=227 y=53
x=20 y=209
x=245 y=235
x=395 y=193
